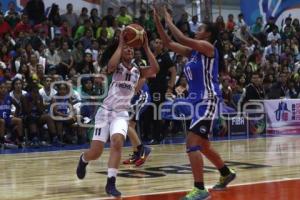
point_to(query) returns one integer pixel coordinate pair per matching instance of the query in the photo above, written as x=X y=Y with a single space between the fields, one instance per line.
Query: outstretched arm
x=174 y=46
x=199 y=45
x=116 y=57
x=154 y=67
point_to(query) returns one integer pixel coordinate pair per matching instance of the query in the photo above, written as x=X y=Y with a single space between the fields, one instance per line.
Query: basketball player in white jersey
x=112 y=117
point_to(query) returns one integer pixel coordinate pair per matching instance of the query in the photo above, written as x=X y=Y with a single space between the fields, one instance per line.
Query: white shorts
x=108 y=123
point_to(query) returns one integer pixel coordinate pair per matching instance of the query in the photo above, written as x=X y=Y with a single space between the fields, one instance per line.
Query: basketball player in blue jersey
x=201 y=71
x=7 y=121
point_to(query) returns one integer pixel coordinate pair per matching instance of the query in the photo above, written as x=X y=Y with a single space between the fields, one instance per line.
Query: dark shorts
x=139 y=104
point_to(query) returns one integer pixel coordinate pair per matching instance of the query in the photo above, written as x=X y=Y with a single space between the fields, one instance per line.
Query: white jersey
x=47 y=98
x=122 y=88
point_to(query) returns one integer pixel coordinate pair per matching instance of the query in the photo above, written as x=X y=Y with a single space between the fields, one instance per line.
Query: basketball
x=134 y=35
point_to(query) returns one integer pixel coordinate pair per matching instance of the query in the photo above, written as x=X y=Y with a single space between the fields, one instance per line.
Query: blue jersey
x=5 y=107
x=63 y=105
x=202 y=75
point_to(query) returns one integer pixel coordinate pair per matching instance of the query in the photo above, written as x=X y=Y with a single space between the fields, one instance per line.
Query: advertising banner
x=279 y=9
x=283 y=116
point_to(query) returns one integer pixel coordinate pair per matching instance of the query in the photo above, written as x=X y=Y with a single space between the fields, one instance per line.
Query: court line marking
x=75 y=150
x=212 y=141
x=209 y=186
x=106 y=156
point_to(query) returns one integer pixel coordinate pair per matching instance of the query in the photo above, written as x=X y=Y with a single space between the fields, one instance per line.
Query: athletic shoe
x=8 y=144
x=81 y=168
x=35 y=143
x=225 y=180
x=134 y=157
x=197 y=194
x=144 y=155
x=110 y=187
x=44 y=144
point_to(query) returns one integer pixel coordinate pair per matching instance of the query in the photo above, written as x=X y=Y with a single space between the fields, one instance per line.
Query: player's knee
x=117 y=142
x=17 y=121
x=46 y=117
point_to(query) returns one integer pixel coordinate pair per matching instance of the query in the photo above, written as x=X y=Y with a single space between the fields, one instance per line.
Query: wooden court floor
x=267 y=168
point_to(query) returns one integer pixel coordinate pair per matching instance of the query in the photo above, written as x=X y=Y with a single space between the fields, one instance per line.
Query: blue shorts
x=201 y=114
x=204 y=116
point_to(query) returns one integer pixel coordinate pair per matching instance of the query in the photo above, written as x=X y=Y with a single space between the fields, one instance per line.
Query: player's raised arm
x=174 y=46
x=116 y=57
x=202 y=46
x=153 y=69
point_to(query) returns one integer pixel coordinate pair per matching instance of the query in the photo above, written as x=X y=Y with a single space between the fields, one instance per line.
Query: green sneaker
x=197 y=194
x=225 y=180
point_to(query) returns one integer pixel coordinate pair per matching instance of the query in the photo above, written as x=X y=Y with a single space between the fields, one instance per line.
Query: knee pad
x=193 y=148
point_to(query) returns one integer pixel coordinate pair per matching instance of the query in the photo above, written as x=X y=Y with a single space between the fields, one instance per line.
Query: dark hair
x=255 y=73
x=84 y=81
x=92 y=10
x=84 y=8
x=14 y=82
x=216 y=41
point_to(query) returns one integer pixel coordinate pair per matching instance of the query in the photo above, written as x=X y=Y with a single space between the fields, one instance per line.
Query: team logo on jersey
x=193 y=59
x=119 y=70
x=203 y=129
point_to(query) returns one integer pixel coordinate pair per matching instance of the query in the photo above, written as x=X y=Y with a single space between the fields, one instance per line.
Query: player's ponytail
x=216 y=41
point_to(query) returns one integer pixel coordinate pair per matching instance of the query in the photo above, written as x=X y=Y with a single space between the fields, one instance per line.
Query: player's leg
x=33 y=131
x=135 y=142
x=133 y=136
x=197 y=143
x=118 y=130
x=18 y=128
x=116 y=144
x=2 y=132
x=100 y=136
x=46 y=119
x=194 y=145
x=140 y=152
x=226 y=174
x=59 y=130
x=95 y=151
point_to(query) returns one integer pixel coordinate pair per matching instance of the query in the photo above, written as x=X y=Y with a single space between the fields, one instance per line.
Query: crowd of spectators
x=40 y=46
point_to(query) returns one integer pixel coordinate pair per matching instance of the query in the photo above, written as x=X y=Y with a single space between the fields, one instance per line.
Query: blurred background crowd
x=40 y=46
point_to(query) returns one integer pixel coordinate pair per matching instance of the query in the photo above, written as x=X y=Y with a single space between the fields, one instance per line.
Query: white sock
x=112 y=172
x=83 y=160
